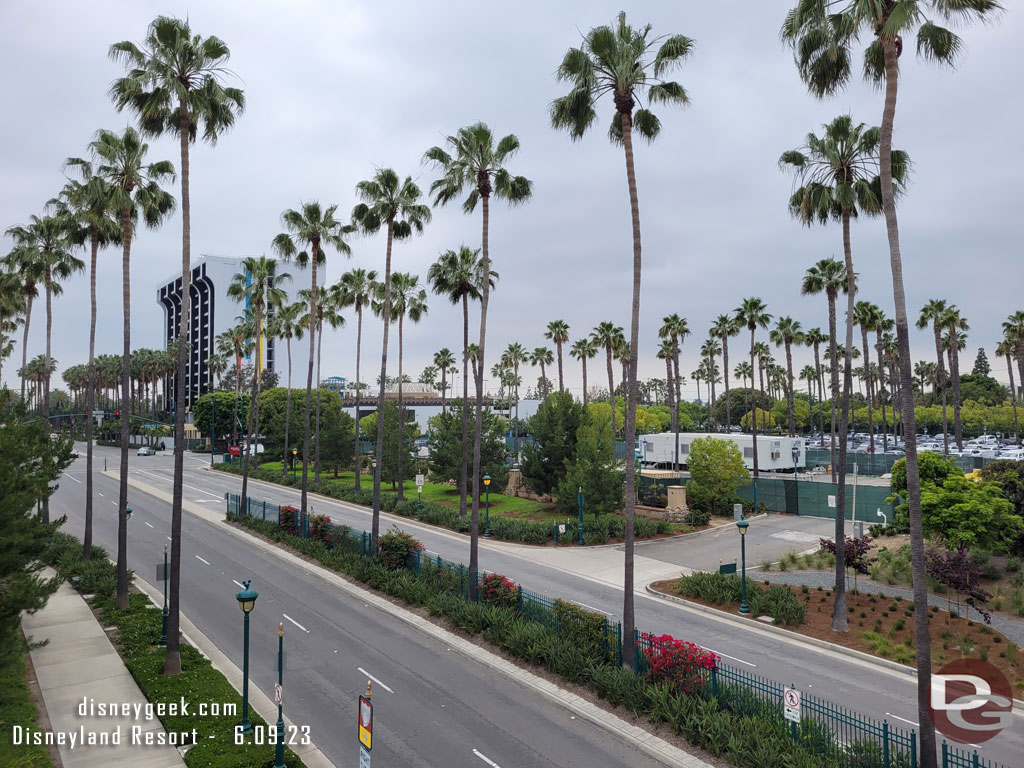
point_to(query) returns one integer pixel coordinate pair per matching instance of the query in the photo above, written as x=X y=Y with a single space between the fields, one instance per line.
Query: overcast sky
x=335 y=89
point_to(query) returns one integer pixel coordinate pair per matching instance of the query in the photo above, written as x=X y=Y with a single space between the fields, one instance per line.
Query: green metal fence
x=880 y=463
x=839 y=734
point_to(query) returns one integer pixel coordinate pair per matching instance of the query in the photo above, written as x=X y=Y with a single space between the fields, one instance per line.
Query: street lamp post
x=163 y=624
x=742 y=524
x=279 y=749
x=579 y=502
x=487 y=506
x=295 y=453
x=246 y=601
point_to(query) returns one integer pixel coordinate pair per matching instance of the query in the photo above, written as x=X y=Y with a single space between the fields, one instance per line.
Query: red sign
x=235 y=450
x=365 y=722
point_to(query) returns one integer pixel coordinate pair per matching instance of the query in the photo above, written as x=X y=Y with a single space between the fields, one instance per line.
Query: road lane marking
x=170 y=539
x=378 y=682
x=897 y=717
x=727 y=656
x=73 y=478
x=591 y=608
x=486 y=759
x=202 y=560
x=293 y=621
x=240 y=584
x=101 y=495
x=148 y=523
x=184 y=485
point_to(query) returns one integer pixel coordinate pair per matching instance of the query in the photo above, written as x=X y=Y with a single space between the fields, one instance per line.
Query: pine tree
x=981 y=366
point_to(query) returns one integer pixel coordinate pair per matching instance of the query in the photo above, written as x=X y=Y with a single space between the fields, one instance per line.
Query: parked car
x=145 y=451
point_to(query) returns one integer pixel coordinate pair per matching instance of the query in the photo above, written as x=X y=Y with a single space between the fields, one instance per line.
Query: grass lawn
x=18 y=708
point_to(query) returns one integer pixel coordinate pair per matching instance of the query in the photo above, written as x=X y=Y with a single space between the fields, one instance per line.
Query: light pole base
x=744 y=611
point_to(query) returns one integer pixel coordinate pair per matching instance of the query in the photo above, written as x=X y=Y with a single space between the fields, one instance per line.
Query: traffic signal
x=117 y=414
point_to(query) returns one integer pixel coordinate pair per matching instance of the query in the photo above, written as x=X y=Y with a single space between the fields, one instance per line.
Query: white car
x=145 y=451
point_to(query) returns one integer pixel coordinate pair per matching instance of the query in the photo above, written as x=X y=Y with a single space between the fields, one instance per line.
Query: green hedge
x=17 y=707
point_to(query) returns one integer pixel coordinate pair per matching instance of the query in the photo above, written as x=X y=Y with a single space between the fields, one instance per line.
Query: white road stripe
x=101 y=495
x=170 y=539
x=73 y=478
x=184 y=485
x=591 y=608
x=293 y=621
x=727 y=656
x=897 y=717
x=148 y=523
x=486 y=759
x=202 y=560
x=240 y=584
x=378 y=682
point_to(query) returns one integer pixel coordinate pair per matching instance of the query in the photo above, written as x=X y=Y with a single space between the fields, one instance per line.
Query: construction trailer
x=774 y=453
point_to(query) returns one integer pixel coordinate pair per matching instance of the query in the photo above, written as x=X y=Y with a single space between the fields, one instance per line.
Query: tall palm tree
x=665 y=350
x=285 y=325
x=808 y=374
x=709 y=350
x=355 y=289
x=744 y=371
x=934 y=313
x=622 y=61
x=609 y=336
x=313 y=229
x=136 y=194
x=408 y=299
x=234 y=344
x=675 y=329
x=723 y=327
x=954 y=323
x=867 y=315
x=1005 y=348
x=395 y=205
x=444 y=360
x=1013 y=332
x=828 y=276
x=326 y=312
x=514 y=356
x=822 y=36
x=474 y=162
x=558 y=333
x=881 y=325
x=543 y=357
x=814 y=338
x=753 y=314
x=88 y=202
x=258 y=287
x=174 y=85
x=583 y=350
x=458 y=275
x=788 y=332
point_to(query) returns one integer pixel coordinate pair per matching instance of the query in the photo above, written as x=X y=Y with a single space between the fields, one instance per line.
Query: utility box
x=676 y=498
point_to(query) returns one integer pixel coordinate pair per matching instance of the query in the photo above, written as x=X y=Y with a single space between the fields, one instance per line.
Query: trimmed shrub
x=395 y=547
x=682 y=666
x=500 y=592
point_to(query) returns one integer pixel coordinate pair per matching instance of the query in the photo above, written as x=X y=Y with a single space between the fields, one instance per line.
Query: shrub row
x=596 y=530
x=737 y=724
x=18 y=708
x=776 y=601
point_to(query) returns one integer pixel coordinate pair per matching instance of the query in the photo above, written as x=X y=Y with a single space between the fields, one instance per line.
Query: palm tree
x=815 y=338
x=326 y=312
x=822 y=36
x=514 y=356
x=744 y=371
x=866 y=315
x=753 y=314
x=881 y=325
x=542 y=356
x=609 y=336
x=393 y=204
x=476 y=163
x=723 y=327
x=665 y=350
x=583 y=350
x=618 y=59
x=234 y=344
x=810 y=375
x=444 y=360
x=954 y=323
x=935 y=312
x=788 y=332
x=258 y=287
x=135 y=193
x=407 y=299
x=285 y=325
x=558 y=332
x=174 y=85
x=1005 y=348
x=1013 y=332
x=355 y=289
x=828 y=276
x=312 y=228
x=457 y=275
x=709 y=350
x=675 y=329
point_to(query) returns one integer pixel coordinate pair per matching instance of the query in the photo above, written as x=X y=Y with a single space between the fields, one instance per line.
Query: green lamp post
x=742 y=524
x=246 y=601
x=487 y=506
x=279 y=695
x=295 y=453
x=579 y=502
x=163 y=623
x=213 y=426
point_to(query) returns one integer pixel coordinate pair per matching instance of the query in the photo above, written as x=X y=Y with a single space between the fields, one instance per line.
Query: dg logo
x=971 y=701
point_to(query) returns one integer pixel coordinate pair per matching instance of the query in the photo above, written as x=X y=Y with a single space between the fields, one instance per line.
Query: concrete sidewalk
x=79 y=663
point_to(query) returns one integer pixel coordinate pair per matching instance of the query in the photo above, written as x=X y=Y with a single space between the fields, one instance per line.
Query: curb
x=797 y=638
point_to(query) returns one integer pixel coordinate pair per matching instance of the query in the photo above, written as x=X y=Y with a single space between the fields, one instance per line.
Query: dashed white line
x=485 y=758
x=148 y=523
x=591 y=608
x=240 y=584
x=293 y=621
x=170 y=539
x=101 y=495
x=378 y=682
x=202 y=560
x=73 y=478
x=897 y=717
x=727 y=656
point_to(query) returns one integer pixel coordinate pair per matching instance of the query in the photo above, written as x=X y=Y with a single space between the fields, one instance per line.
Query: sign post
x=791 y=707
x=419 y=491
x=365 y=731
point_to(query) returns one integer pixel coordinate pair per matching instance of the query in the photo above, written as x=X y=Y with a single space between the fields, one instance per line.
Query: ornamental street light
x=579 y=502
x=279 y=695
x=295 y=453
x=246 y=601
x=487 y=506
x=742 y=524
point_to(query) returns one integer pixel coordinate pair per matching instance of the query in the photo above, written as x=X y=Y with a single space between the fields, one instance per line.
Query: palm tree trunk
x=611 y=390
x=379 y=447
x=753 y=411
x=922 y=643
x=24 y=344
x=867 y=377
x=122 y=494
x=760 y=375
x=711 y=393
x=46 y=369
x=464 y=465
x=249 y=446
x=401 y=416
x=941 y=377
x=584 y=359
x=834 y=377
x=821 y=395
x=474 y=522
x=288 y=415
x=238 y=394
x=1013 y=399
x=676 y=382
x=543 y=382
x=356 y=458
x=881 y=390
x=444 y=389
x=304 y=493
x=954 y=374
x=561 y=388
x=90 y=396
x=725 y=375
x=789 y=393
x=671 y=395
x=316 y=437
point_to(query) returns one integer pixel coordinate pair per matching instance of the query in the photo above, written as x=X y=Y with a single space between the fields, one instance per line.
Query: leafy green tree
x=355 y=289
x=445 y=441
x=982 y=389
x=387 y=428
x=593 y=470
x=717 y=471
x=335 y=438
x=206 y=420
x=966 y=513
x=553 y=428
x=981 y=364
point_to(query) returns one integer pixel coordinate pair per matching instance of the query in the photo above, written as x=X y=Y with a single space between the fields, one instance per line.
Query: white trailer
x=774 y=453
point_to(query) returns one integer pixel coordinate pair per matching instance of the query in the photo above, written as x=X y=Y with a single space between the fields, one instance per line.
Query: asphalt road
x=859 y=686
x=442 y=710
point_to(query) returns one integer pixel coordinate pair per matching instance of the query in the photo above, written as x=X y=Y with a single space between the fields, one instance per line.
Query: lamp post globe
x=487 y=506
x=742 y=524
x=246 y=601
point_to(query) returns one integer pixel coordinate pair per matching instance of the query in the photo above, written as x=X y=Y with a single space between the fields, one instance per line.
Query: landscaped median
x=511 y=518
x=199 y=684
x=680 y=686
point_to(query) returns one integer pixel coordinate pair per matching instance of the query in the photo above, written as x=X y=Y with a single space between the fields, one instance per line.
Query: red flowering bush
x=319 y=528
x=395 y=547
x=499 y=591
x=677 y=662
x=288 y=519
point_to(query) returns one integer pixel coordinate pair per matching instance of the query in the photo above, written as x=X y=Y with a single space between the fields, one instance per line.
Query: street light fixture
x=579 y=502
x=246 y=601
x=742 y=524
x=127 y=513
x=487 y=506
x=295 y=453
